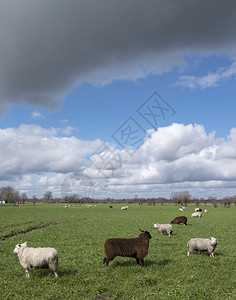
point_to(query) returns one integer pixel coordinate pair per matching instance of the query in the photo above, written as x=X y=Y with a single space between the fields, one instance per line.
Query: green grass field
x=79 y=233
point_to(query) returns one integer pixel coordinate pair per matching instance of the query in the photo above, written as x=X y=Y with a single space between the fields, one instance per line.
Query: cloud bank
x=171 y=158
x=48 y=48
x=209 y=80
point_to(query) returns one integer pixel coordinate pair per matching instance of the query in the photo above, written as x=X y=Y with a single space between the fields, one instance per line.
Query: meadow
x=79 y=233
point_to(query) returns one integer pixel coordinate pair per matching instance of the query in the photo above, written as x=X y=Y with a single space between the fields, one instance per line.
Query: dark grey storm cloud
x=49 y=47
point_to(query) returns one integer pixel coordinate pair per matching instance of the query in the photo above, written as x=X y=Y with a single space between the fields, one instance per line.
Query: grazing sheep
x=179 y=220
x=198 y=244
x=110 y=206
x=197 y=214
x=167 y=228
x=37 y=258
x=181 y=209
x=198 y=209
x=132 y=247
x=124 y=207
x=205 y=211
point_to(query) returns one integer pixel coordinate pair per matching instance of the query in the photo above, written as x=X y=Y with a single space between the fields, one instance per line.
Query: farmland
x=79 y=233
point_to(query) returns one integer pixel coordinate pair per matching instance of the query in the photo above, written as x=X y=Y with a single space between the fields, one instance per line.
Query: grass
x=79 y=233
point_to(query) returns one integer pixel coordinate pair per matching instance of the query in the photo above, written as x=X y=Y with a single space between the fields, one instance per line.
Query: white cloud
x=36 y=114
x=32 y=149
x=68 y=130
x=209 y=80
x=172 y=158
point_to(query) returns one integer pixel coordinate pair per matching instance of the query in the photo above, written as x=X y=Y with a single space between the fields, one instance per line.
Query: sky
x=118 y=99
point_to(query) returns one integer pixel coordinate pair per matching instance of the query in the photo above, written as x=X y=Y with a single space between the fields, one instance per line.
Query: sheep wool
x=178 y=220
x=197 y=214
x=199 y=244
x=127 y=247
x=164 y=228
x=37 y=258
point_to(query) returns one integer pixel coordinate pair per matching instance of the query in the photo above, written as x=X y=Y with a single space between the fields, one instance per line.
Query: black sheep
x=132 y=247
x=179 y=220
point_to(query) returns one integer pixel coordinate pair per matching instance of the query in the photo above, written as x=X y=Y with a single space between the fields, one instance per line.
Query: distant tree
x=140 y=201
x=181 y=198
x=48 y=196
x=213 y=201
x=24 y=197
x=227 y=201
x=34 y=200
x=8 y=194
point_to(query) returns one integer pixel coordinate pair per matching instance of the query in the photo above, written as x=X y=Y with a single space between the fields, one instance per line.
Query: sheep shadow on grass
x=45 y=272
x=147 y=263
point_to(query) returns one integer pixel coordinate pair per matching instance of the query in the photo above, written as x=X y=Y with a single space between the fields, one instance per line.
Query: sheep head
x=146 y=232
x=213 y=240
x=19 y=246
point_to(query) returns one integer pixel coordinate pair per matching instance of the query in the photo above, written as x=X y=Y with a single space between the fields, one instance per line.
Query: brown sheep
x=132 y=247
x=179 y=220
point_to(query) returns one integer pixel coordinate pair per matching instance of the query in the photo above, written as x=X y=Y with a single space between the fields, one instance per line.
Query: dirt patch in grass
x=3 y=237
x=16 y=225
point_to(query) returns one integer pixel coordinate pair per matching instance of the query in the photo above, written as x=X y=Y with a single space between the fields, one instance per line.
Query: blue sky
x=68 y=88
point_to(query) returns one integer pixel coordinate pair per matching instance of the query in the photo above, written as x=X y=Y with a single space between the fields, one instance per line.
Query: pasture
x=79 y=233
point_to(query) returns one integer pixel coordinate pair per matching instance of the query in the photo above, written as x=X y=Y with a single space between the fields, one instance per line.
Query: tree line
x=9 y=195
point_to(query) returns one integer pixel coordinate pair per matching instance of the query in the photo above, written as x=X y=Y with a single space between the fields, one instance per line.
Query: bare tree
x=8 y=194
x=181 y=198
x=48 y=197
x=24 y=197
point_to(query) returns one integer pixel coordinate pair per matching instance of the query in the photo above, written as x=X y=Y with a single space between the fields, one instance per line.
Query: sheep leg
x=142 y=262
x=137 y=260
x=27 y=273
x=107 y=260
x=188 y=253
x=53 y=268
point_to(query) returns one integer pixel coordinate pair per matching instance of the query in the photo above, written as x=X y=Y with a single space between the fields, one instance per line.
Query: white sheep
x=199 y=244
x=196 y=214
x=205 y=211
x=37 y=258
x=181 y=209
x=164 y=228
x=124 y=207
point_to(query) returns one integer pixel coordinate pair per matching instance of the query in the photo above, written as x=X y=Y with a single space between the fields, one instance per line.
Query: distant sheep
x=198 y=244
x=205 y=211
x=197 y=214
x=37 y=258
x=124 y=207
x=181 y=209
x=178 y=220
x=161 y=228
x=110 y=206
x=198 y=209
x=128 y=247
